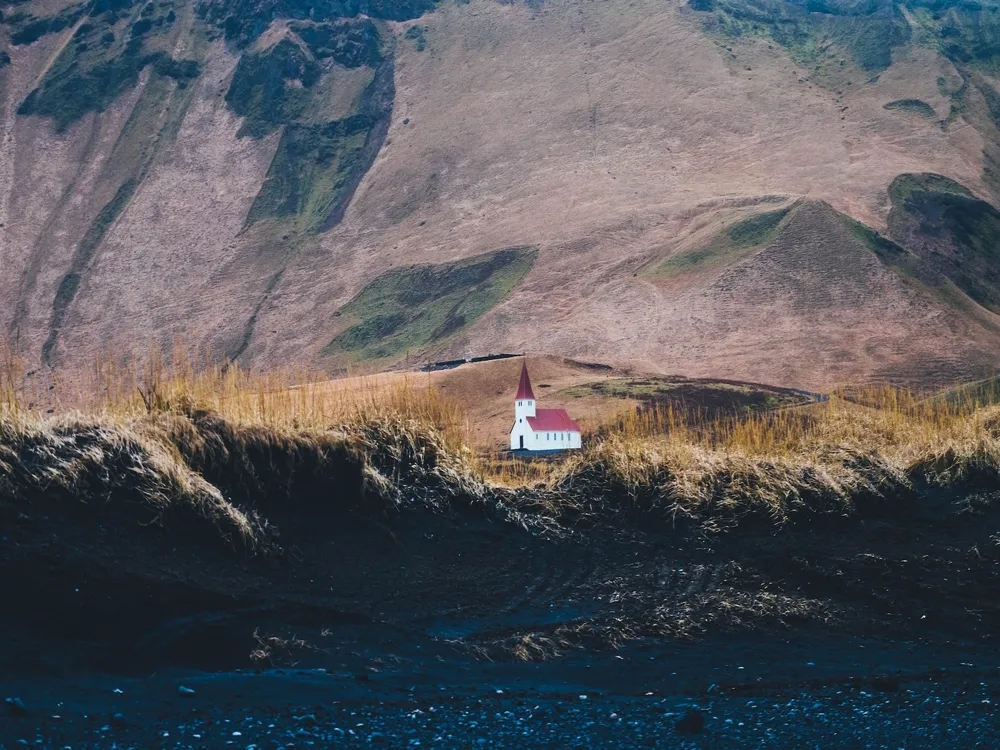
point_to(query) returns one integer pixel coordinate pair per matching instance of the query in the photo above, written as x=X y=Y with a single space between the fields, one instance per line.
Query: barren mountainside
x=792 y=192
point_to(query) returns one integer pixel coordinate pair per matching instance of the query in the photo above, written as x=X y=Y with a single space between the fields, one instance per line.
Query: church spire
x=524 y=391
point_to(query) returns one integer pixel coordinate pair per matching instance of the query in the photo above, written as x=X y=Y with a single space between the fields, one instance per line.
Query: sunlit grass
x=869 y=441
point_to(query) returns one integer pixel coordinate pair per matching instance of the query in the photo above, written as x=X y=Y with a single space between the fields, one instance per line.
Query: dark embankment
x=184 y=539
x=114 y=528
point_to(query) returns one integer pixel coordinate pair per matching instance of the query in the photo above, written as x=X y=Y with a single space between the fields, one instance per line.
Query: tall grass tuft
x=11 y=380
x=295 y=398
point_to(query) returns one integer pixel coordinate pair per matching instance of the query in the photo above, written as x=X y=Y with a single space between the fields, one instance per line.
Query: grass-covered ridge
x=729 y=246
x=911 y=106
x=954 y=233
x=820 y=33
x=202 y=452
x=410 y=308
x=256 y=481
x=215 y=444
x=271 y=88
x=108 y=51
x=243 y=21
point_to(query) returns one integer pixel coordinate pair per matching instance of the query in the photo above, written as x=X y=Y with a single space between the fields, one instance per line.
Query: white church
x=540 y=429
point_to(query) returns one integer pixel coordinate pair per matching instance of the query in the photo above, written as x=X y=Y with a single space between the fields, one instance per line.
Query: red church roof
x=524 y=387
x=552 y=420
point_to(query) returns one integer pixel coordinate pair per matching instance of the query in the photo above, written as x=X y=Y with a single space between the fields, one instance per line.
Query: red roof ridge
x=524 y=387
x=552 y=420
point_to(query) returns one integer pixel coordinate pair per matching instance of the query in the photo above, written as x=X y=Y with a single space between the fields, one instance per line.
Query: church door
x=522 y=442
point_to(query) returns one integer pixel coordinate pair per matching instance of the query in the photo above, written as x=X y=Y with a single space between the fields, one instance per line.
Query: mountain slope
x=820 y=294
x=238 y=173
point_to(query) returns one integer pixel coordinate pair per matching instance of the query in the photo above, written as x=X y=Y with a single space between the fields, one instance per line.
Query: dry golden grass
x=11 y=378
x=824 y=456
x=292 y=398
x=212 y=435
x=217 y=443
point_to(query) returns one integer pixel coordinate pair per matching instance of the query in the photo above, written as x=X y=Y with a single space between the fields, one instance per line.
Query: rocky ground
x=642 y=696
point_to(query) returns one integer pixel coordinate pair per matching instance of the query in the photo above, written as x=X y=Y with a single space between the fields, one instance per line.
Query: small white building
x=540 y=429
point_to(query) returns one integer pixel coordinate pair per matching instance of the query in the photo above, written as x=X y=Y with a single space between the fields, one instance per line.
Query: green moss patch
x=242 y=21
x=965 y=31
x=271 y=88
x=410 y=308
x=883 y=247
x=318 y=162
x=756 y=230
x=912 y=107
x=906 y=185
x=956 y=235
x=729 y=246
x=897 y=258
x=317 y=166
x=313 y=168
x=67 y=96
x=27 y=29
x=416 y=35
x=825 y=34
x=350 y=43
x=815 y=32
x=94 y=70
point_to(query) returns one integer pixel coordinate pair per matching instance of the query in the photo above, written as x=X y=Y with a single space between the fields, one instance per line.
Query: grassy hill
x=952 y=231
x=411 y=308
x=716 y=187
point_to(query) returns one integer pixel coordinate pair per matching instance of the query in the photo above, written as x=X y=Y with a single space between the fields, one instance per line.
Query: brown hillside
x=609 y=136
x=818 y=304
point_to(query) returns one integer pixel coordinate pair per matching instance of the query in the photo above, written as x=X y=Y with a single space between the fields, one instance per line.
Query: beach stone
x=692 y=722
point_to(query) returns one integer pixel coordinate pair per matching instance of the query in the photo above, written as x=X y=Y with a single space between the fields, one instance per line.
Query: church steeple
x=524 y=401
x=524 y=387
